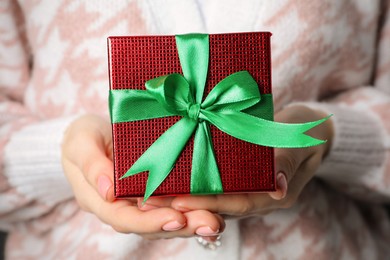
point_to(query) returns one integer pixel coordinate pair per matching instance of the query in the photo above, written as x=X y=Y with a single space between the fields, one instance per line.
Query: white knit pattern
x=33 y=162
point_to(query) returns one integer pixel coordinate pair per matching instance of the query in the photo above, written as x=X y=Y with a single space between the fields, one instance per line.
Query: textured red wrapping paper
x=244 y=167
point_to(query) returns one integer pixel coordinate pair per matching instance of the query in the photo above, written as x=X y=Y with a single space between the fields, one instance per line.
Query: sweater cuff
x=357 y=147
x=32 y=162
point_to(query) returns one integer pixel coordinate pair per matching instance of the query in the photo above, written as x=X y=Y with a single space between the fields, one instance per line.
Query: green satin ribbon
x=233 y=106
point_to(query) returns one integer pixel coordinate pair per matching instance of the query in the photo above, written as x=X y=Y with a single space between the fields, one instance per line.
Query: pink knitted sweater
x=331 y=55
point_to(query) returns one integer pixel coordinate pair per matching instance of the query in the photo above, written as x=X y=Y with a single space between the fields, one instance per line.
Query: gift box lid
x=133 y=60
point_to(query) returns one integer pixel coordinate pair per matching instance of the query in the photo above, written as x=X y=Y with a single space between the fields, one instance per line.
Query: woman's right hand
x=88 y=166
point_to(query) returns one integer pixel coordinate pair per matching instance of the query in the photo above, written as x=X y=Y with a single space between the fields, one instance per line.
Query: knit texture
x=31 y=162
x=330 y=55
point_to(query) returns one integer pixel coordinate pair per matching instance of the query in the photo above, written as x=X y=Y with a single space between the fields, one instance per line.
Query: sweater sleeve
x=359 y=160
x=31 y=178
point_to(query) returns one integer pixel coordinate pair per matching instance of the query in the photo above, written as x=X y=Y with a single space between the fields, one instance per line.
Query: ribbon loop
x=172 y=92
x=237 y=91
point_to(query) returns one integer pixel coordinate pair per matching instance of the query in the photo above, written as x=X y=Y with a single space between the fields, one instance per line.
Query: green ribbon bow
x=173 y=95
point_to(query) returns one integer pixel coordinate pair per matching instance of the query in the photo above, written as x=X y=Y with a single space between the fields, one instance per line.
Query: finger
x=88 y=152
x=288 y=160
x=229 y=204
x=305 y=174
x=199 y=223
x=281 y=187
x=203 y=223
x=82 y=191
x=188 y=203
x=97 y=170
x=123 y=215
x=154 y=202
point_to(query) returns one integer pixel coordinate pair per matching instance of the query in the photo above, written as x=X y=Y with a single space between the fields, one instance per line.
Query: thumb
x=87 y=145
x=287 y=162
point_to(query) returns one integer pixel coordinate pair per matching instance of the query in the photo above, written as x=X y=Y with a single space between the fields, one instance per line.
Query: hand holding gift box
x=234 y=105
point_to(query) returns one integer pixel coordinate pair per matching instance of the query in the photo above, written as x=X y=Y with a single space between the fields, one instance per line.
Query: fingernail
x=281 y=181
x=104 y=184
x=173 y=226
x=206 y=232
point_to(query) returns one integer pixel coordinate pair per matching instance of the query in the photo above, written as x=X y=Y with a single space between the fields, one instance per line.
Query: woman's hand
x=87 y=163
x=294 y=169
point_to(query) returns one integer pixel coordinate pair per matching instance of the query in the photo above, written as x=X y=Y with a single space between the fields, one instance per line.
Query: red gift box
x=244 y=167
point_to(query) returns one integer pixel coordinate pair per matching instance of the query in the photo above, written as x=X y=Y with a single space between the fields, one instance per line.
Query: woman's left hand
x=294 y=169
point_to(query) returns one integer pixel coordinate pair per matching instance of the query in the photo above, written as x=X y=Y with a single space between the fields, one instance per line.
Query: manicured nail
x=281 y=181
x=104 y=184
x=206 y=232
x=173 y=226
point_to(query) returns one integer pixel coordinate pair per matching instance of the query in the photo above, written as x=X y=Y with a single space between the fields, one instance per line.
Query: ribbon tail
x=161 y=156
x=263 y=132
x=205 y=177
x=127 y=105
